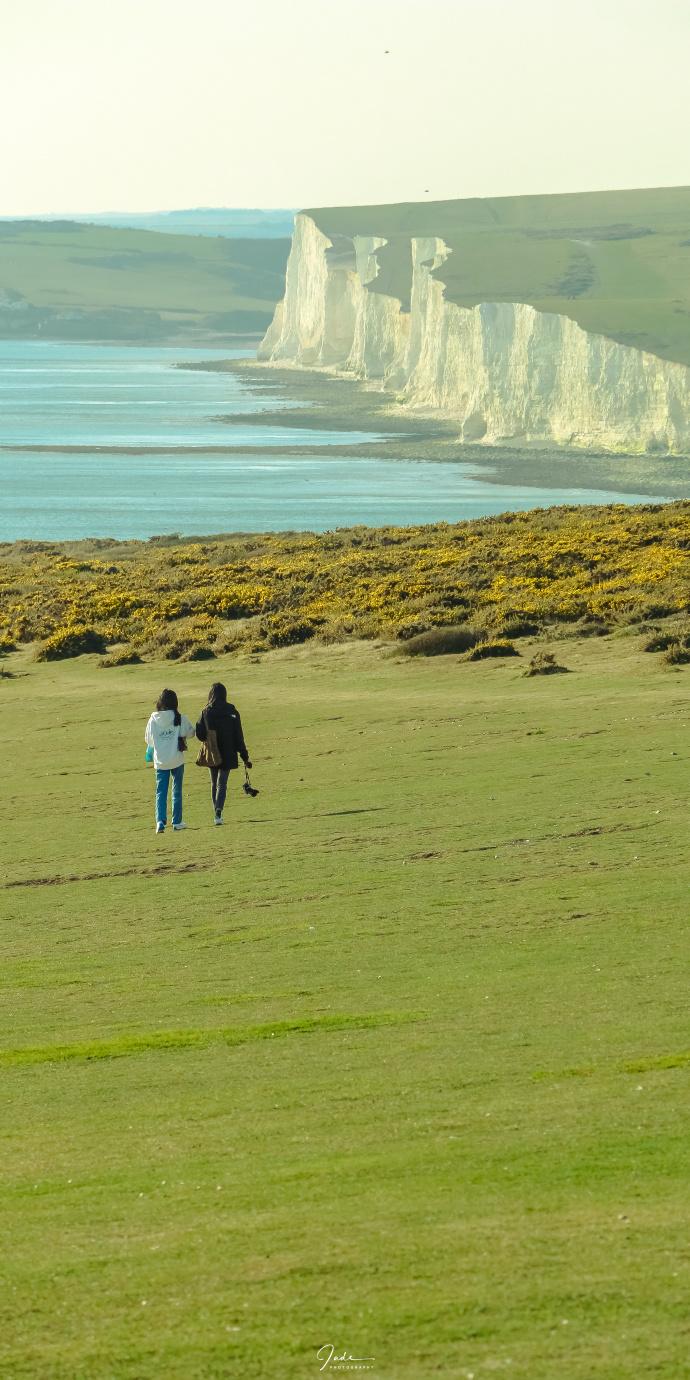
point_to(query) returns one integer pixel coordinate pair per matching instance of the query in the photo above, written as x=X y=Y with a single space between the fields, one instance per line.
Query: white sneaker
x=218 y=819
x=179 y=826
x=160 y=828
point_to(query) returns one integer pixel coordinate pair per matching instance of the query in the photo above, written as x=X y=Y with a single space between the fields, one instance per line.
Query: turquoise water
x=83 y=397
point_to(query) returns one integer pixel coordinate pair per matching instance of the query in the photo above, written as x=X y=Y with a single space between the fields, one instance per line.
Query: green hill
x=230 y=221
x=618 y=263
x=62 y=280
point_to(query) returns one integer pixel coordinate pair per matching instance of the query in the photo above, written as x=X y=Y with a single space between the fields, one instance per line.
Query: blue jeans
x=219 y=787
x=163 y=775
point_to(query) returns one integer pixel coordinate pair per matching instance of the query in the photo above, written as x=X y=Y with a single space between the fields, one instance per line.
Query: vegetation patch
x=70 y=641
x=673 y=643
x=442 y=641
x=499 y=647
x=283 y=631
x=677 y=655
x=562 y=569
x=127 y=656
x=125 y=1045
x=544 y=664
x=659 y=642
x=656 y=1062
x=514 y=626
x=591 y=626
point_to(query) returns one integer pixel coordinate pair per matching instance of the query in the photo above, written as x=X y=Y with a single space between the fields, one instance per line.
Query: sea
x=115 y=441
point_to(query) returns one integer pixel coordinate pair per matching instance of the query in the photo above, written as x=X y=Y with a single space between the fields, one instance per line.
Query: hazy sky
x=153 y=104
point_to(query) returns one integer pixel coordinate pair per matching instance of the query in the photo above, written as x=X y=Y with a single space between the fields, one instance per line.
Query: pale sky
x=156 y=104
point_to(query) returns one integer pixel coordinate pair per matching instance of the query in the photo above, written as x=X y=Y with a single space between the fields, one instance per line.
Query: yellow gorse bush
x=560 y=565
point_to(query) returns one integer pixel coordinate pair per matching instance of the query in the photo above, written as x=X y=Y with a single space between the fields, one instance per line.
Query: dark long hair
x=168 y=700
x=217 y=696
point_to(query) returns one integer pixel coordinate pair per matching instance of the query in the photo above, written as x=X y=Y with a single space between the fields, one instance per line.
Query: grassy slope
x=501 y=854
x=579 y=254
x=198 y=220
x=185 y=283
x=555 y=568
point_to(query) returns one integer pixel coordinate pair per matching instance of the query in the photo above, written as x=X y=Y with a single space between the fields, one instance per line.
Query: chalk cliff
x=507 y=373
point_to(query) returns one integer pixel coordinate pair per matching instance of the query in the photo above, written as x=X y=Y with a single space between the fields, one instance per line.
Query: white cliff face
x=504 y=371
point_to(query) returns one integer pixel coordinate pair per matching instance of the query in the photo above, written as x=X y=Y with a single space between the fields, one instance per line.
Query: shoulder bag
x=209 y=753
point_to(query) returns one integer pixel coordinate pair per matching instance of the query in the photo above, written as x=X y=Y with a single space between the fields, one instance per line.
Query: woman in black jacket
x=225 y=722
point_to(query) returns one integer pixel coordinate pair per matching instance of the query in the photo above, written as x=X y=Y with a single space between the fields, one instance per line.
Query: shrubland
x=566 y=570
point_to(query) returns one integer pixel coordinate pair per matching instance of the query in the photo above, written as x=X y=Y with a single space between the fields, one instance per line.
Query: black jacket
x=226 y=722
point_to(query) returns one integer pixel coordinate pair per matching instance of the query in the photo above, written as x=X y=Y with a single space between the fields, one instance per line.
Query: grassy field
x=394 y=1061
x=66 y=280
x=616 y=262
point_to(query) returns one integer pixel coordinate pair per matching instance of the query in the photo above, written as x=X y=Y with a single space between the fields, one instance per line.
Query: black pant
x=219 y=786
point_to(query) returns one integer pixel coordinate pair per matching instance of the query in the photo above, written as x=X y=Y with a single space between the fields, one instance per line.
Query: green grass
x=126 y=1045
x=616 y=262
x=309 y=1078
x=89 y=282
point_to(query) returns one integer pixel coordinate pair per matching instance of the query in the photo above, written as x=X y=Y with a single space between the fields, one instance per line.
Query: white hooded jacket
x=162 y=734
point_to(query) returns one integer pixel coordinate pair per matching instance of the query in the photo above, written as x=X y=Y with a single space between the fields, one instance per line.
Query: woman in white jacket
x=166 y=733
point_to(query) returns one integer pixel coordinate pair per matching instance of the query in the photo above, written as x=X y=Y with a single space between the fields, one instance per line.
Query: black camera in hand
x=247 y=785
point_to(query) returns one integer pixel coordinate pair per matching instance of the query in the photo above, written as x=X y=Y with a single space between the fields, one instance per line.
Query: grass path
x=394 y=1061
